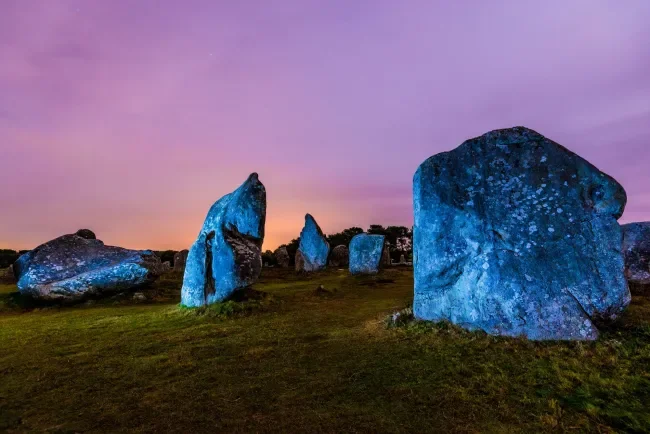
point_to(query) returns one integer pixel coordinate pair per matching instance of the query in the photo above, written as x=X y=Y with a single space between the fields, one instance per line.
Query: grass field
x=294 y=359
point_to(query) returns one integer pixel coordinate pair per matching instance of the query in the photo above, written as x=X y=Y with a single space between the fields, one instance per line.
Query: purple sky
x=131 y=117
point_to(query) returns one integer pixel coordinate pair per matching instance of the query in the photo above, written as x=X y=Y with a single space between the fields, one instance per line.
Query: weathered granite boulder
x=636 y=246
x=340 y=257
x=227 y=254
x=516 y=235
x=282 y=257
x=367 y=253
x=73 y=267
x=180 y=259
x=313 y=249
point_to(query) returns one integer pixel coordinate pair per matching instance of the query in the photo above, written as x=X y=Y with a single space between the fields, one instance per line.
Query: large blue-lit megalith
x=367 y=253
x=227 y=254
x=516 y=235
x=313 y=249
x=636 y=246
x=77 y=266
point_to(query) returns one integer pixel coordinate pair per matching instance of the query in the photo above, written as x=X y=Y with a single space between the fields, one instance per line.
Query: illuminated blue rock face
x=366 y=253
x=636 y=246
x=313 y=249
x=74 y=267
x=516 y=235
x=227 y=254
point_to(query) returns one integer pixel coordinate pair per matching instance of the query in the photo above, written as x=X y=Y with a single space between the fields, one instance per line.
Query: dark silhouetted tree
x=343 y=237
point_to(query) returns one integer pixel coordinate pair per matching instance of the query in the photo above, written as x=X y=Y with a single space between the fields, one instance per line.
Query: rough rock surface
x=180 y=259
x=72 y=267
x=313 y=249
x=516 y=235
x=86 y=233
x=367 y=253
x=282 y=257
x=636 y=246
x=227 y=254
x=340 y=257
x=300 y=262
x=166 y=267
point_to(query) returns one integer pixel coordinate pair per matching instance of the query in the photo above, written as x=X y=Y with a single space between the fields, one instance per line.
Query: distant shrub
x=166 y=255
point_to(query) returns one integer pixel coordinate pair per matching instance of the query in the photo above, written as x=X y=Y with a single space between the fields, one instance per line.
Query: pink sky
x=131 y=117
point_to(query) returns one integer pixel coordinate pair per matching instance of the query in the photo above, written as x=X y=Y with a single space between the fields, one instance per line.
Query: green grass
x=300 y=360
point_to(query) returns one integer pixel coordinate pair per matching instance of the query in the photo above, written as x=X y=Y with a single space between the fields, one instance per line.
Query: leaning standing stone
x=227 y=254
x=367 y=253
x=636 y=246
x=313 y=249
x=516 y=235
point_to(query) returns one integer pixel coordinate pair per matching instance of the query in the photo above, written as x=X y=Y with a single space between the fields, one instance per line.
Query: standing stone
x=180 y=259
x=227 y=254
x=402 y=260
x=516 y=235
x=385 y=255
x=340 y=256
x=7 y=274
x=72 y=267
x=282 y=257
x=367 y=253
x=313 y=249
x=636 y=246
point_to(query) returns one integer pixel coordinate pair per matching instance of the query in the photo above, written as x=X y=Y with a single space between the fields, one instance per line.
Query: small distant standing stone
x=282 y=257
x=180 y=259
x=636 y=248
x=340 y=257
x=385 y=255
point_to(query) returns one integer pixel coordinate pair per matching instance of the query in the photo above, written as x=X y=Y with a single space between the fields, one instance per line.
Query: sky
x=132 y=117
